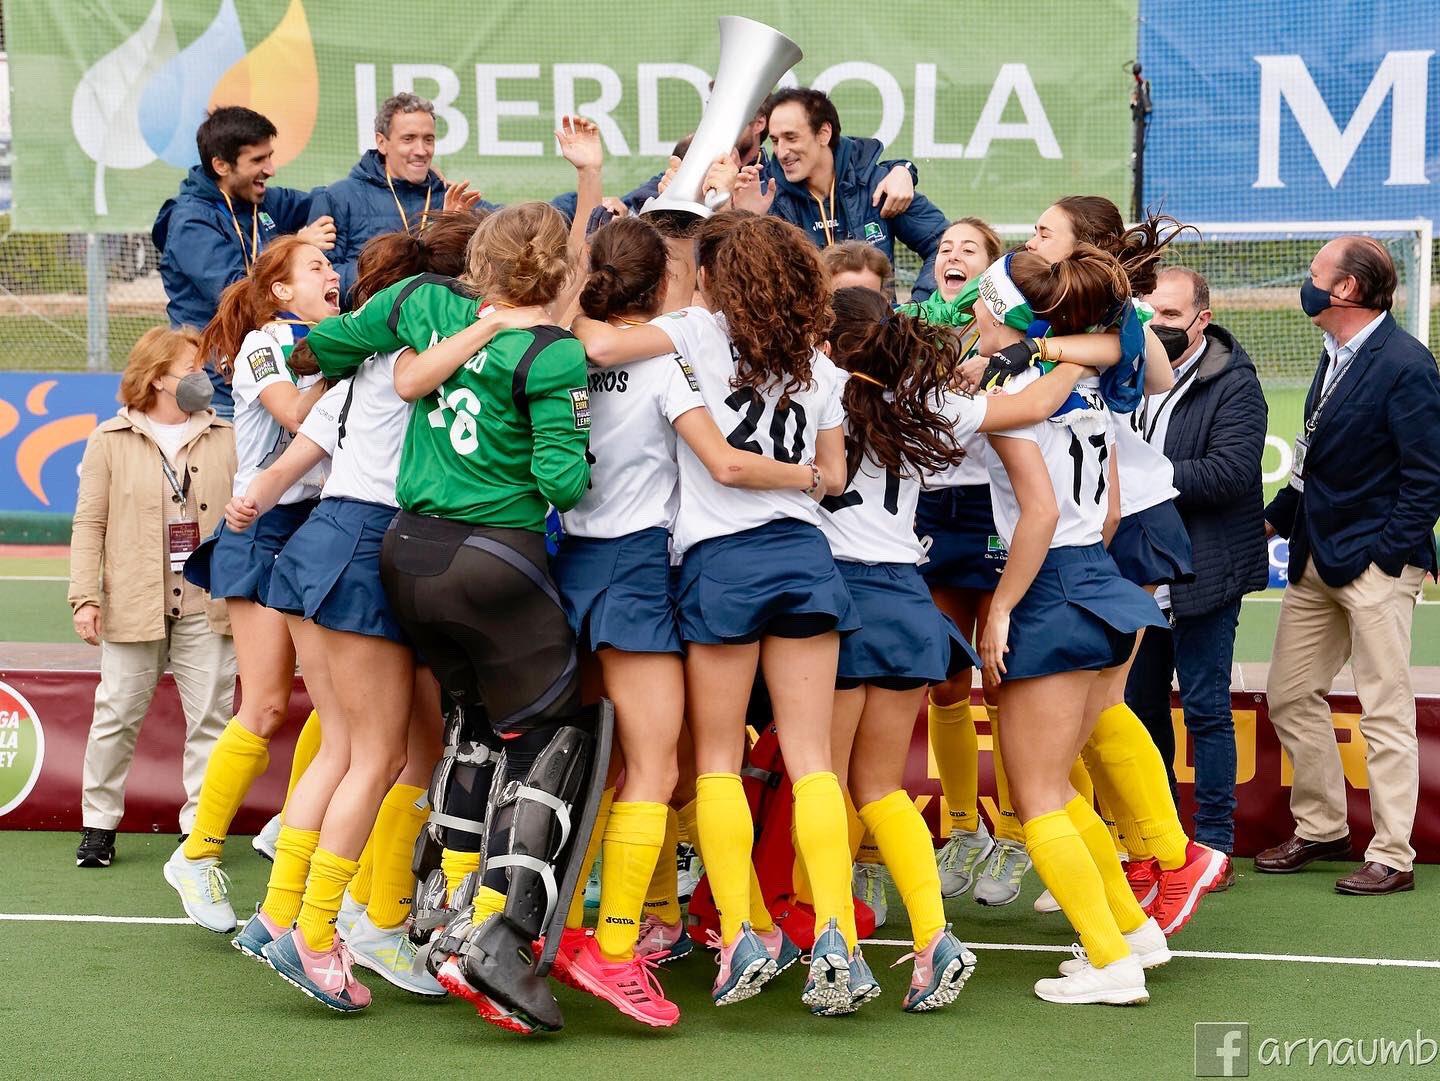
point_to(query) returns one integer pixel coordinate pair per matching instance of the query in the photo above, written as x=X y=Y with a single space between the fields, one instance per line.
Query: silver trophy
x=753 y=57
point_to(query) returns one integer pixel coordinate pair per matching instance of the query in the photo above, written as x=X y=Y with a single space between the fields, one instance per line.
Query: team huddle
x=779 y=497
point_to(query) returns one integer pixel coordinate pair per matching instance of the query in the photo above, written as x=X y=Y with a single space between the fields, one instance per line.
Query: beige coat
x=117 y=546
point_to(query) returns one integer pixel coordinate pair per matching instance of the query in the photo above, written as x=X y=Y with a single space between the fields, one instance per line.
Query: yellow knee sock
x=727 y=833
x=1007 y=824
x=488 y=902
x=662 y=898
x=634 y=840
x=760 y=918
x=364 y=880
x=293 y=852
x=329 y=875
x=1118 y=895
x=456 y=866
x=575 y=918
x=402 y=816
x=307 y=746
x=238 y=758
x=909 y=853
x=1085 y=787
x=1081 y=782
x=799 y=877
x=1068 y=871
x=819 y=831
x=956 y=750
x=1134 y=779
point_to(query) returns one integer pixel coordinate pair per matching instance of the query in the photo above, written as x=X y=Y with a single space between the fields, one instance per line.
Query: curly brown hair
x=887 y=350
x=766 y=278
x=1080 y=291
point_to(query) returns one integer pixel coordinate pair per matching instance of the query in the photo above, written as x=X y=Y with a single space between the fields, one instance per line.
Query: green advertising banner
x=1003 y=104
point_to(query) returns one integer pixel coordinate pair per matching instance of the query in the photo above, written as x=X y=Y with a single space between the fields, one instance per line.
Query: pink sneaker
x=629 y=986
x=1180 y=890
x=453 y=980
x=572 y=941
x=661 y=943
x=778 y=945
x=325 y=976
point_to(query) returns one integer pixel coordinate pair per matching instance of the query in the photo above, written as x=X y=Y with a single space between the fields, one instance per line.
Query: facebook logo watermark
x=1222 y=1049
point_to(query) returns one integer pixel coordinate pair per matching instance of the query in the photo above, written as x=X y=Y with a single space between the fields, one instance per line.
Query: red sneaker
x=572 y=941
x=630 y=986
x=1144 y=876
x=453 y=980
x=1182 y=888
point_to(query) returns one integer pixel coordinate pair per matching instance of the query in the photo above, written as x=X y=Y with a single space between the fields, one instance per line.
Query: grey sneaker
x=204 y=890
x=999 y=883
x=350 y=911
x=867 y=882
x=960 y=856
x=390 y=955
x=264 y=841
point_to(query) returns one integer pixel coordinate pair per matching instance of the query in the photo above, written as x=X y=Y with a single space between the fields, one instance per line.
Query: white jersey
x=361 y=424
x=751 y=420
x=1147 y=478
x=873 y=520
x=259 y=437
x=1076 y=447
x=634 y=478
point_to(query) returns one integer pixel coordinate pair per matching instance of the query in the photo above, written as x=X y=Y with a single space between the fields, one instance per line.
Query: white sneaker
x=204 y=890
x=1120 y=983
x=961 y=856
x=265 y=841
x=1147 y=945
x=390 y=955
x=350 y=911
x=688 y=871
x=1046 y=903
x=867 y=882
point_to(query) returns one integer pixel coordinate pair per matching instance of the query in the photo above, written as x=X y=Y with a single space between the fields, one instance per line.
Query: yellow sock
x=956 y=749
x=819 y=818
x=329 y=875
x=575 y=918
x=238 y=758
x=1085 y=788
x=854 y=827
x=364 y=880
x=799 y=877
x=488 y=902
x=662 y=899
x=905 y=842
x=1007 y=825
x=760 y=918
x=1131 y=775
x=456 y=866
x=727 y=833
x=1068 y=871
x=293 y=852
x=402 y=816
x=634 y=840
x=1121 y=899
x=307 y=746
x=687 y=817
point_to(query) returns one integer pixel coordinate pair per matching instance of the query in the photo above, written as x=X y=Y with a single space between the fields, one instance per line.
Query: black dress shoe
x=1298 y=853
x=97 y=848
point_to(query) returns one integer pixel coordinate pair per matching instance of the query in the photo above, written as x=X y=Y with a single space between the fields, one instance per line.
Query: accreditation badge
x=181 y=538
x=1297 y=467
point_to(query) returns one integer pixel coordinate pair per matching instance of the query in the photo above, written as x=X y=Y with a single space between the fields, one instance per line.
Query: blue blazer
x=1372 y=472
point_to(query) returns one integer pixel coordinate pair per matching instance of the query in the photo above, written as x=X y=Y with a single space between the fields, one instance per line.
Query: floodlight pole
x=97 y=325
x=1139 y=111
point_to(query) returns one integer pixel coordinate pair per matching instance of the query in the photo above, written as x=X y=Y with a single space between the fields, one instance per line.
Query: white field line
x=46 y=917
x=34 y=578
x=1213 y=955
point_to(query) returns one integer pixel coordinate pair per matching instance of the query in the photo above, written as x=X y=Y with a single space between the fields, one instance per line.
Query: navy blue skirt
x=329 y=572
x=902 y=634
x=733 y=588
x=237 y=566
x=1152 y=548
x=619 y=588
x=1078 y=615
x=963 y=547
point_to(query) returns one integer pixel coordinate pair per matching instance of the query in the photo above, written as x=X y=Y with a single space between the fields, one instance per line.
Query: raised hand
x=458 y=196
x=580 y=143
x=750 y=192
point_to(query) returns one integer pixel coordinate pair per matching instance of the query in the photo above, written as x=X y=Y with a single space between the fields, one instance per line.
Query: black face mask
x=1174 y=339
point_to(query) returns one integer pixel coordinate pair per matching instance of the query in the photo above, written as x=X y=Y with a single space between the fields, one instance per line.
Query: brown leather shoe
x=1374 y=879
x=1226 y=879
x=1298 y=853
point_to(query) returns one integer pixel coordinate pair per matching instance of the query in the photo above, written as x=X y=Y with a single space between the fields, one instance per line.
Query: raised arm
x=417 y=374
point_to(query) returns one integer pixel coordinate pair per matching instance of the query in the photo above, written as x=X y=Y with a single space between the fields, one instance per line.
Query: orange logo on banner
x=1352 y=753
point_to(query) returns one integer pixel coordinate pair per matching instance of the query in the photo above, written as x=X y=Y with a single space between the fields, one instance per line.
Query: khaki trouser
x=1366 y=622
x=203 y=663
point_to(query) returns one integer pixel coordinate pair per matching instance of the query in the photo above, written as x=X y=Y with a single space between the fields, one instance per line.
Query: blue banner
x=45 y=419
x=1293 y=112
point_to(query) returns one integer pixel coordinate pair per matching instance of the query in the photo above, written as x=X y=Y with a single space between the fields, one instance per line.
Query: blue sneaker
x=326 y=977
x=259 y=931
x=827 y=990
x=782 y=950
x=863 y=984
x=745 y=967
x=941 y=970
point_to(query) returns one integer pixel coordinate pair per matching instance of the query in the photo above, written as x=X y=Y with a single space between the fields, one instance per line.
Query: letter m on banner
x=1403 y=76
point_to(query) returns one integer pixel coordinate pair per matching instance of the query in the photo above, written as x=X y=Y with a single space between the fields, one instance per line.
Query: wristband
x=816 y=478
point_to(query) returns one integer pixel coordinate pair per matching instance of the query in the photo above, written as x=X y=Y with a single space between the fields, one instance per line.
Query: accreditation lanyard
x=1312 y=421
x=404 y=219
x=1148 y=426
x=247 y=257
x=827 y=213
x=182 y=536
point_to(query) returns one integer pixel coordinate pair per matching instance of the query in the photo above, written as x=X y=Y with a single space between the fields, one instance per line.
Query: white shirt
x=360 y=423
x=1154 y=416
x=873 y=521
x=1340 y=355
x=1076 y=450
x=259 y=437
x=170 y=437
x=751 y=420
x=1147 y=478
x=634 y=477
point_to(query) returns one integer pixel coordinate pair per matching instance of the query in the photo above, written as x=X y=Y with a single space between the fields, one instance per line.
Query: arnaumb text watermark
x=1225 y=1049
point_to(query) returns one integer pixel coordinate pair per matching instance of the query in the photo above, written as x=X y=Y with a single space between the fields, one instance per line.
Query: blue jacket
x=200 y=252
x=858 y=172
x=1372 y=472
x=363 y=207
x=566 y=202
x=1215 y=440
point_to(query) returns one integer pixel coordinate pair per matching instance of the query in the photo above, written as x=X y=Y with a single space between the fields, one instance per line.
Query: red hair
x=249 y=303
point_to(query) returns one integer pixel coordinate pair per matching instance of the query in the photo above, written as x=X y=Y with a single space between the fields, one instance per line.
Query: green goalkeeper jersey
x=504 y=436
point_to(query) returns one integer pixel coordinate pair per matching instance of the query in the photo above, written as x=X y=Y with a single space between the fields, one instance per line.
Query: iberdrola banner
x=1003 y=104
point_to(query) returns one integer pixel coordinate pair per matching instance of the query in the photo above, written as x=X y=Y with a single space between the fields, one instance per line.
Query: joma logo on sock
x=620 y=919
